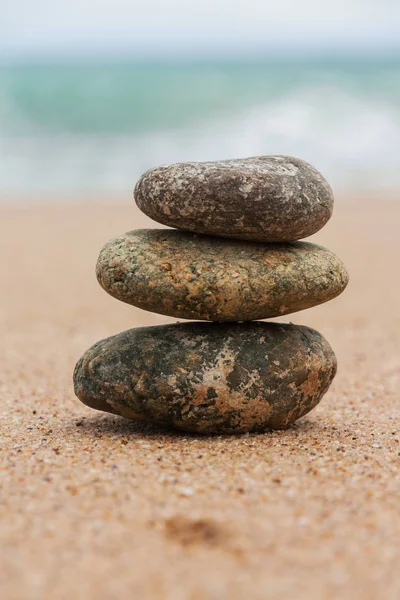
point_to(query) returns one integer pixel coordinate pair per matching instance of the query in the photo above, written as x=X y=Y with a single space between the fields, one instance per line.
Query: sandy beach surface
x=93 y=506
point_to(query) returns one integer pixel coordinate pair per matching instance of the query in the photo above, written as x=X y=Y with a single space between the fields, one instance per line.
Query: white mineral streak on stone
x=224 y=363
x=246 y=187
x=217 y=379
x=290 y=170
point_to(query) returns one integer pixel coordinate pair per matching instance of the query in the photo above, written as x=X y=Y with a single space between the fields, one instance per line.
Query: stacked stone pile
x=232 y=260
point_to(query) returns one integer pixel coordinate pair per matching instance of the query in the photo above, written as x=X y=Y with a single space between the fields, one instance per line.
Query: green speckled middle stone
x=199 y=277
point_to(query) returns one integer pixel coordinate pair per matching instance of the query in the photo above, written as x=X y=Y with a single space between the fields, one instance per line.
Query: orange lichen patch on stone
x=307 y=388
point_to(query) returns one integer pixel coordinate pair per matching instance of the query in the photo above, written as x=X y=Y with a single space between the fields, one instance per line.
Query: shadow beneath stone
x=116 y=427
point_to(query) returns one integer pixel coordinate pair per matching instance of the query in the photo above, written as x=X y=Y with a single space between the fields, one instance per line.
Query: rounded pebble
x=208 y=377
x=197 y=277
x=265 y=198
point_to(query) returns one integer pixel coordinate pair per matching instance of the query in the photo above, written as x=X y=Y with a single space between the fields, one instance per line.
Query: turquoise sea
x=97 y=126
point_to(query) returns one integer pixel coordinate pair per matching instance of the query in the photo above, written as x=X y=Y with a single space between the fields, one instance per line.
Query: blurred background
x=94 y=93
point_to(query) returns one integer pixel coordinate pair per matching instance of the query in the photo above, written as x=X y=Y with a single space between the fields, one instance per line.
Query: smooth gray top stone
x=264 y=198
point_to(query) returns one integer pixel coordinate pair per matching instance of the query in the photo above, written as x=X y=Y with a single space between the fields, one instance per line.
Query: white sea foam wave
x=354 y=140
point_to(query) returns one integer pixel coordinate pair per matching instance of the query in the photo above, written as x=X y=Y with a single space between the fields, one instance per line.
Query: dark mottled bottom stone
x=208 y=377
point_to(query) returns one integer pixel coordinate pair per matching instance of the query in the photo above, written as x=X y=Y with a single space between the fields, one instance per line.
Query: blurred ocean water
x=97 y=127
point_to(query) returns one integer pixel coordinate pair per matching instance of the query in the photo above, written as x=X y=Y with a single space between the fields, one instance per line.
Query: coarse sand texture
x=94 y=506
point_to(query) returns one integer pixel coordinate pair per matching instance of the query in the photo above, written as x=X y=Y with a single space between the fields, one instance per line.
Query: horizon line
x=267 y=56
